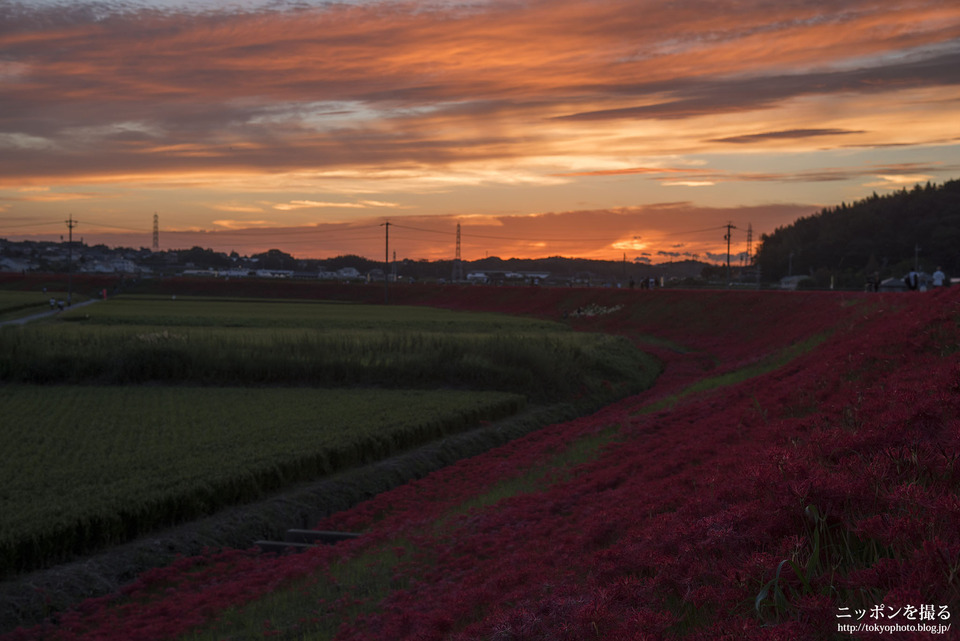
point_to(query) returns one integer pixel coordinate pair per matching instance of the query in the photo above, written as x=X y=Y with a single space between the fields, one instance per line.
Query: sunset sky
x=592 y=128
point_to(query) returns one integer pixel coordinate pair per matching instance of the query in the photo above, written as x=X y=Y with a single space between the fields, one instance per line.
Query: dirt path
x=47 y=314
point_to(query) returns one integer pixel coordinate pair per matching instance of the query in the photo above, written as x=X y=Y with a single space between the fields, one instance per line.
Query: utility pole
x=727 y=238
x=386 y=263
x=71 y=223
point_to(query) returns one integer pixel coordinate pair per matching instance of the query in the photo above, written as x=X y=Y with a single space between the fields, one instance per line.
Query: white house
x=124 y=265
x=13 y=265
x=791 y=282
x=348 y=273
x=274 y=273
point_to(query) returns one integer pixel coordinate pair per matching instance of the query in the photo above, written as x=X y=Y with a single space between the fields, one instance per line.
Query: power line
x=429 y=231
x=108 y=226
x=695 y=231
x=36 y=224
x=299 y=235
x=352 y=229
x=254 y=232
x=513 y=238
x=554 y=240
x=314 y=241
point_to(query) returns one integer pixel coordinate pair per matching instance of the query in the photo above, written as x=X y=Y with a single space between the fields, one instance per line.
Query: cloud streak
x=144 y=92
x=689 y=98
x=285 y=109
x=909 y=173
x=314 y=204
x=790 y=134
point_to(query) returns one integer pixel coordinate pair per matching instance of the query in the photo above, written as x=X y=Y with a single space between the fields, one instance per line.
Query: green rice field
x=137 y=413
x=85 y=466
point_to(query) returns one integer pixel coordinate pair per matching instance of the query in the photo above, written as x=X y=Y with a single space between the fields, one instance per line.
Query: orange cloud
x=376 y=85
x=491 y=108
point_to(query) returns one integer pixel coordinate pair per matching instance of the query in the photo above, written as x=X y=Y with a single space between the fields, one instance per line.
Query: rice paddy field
x=139 y=413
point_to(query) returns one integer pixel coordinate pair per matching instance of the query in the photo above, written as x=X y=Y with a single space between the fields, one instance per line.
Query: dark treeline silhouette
x=887 y=235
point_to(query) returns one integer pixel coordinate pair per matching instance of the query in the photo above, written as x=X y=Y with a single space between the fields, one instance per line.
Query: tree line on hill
x=436 y=270
x=50 y=256
x=886 y=235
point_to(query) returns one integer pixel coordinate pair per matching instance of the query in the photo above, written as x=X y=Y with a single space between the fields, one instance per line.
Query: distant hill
x=559 y=267
x=884 y=234
x=52 y=257
x=612 y=270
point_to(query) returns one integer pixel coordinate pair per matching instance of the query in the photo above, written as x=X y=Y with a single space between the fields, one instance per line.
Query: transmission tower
x=386 y=261
x=457 y=264
x=156 y=232
x=71 y=223
x=749 y=243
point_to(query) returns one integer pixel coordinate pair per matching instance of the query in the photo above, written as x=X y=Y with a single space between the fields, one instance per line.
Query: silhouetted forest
x=889 y=235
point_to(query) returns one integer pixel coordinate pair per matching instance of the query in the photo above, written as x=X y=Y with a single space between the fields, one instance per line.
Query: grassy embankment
x=788 y=489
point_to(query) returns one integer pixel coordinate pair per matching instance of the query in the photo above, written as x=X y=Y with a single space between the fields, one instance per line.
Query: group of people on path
x=916 y=281
x=58 y=305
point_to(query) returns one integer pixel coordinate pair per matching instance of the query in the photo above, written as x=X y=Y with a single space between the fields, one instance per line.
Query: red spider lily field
x=793 y=474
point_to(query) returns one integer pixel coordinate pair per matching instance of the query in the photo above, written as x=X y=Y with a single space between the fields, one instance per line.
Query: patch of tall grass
x=543 y=365
x=284 y=313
